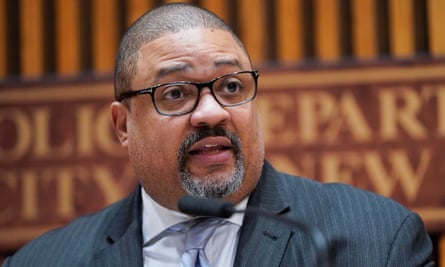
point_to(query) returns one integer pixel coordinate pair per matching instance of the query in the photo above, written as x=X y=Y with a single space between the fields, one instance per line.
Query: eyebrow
x=177 y=67
x=165 y=71
x=228 y=62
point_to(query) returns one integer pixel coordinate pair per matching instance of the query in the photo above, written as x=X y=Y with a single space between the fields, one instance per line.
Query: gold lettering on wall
x=59 y=157
x=22 y=129
x=44 y=148
x=438 y=91
x=401 y=170
x=315 y=109
x=383 y=171
x=30 y=190
x=353 y=119
x=277 y=119
x=304 y=165
x=378 y=139
x=85 y=118
x=8 y=180
x=33 y=133
x=320 y=116
x=29 y=195
x=105 y=137
x=410 y=177
x=64 y=178
x=401 y=107
x=340 y=167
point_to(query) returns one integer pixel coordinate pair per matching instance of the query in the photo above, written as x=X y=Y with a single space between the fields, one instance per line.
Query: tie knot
x=200 y=231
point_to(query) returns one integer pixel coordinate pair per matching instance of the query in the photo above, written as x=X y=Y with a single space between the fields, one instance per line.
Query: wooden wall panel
x=104 y=35
x=68 y=58
x=282 y=31
x=135 y=8
x=401 y=28
x=327 y=21
x=220 y=8
x=252 y=28
x=289 y=30
x=364 y=33
x=31 y=38
x=436 y=23
x=3 y=37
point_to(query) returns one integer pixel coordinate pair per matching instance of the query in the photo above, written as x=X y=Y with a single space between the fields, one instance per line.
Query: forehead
x=191 y=50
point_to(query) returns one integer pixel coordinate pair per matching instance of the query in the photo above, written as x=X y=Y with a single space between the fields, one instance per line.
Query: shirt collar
x=156 y=218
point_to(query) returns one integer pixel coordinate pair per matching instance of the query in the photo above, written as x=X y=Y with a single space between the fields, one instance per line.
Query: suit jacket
x=362 y=229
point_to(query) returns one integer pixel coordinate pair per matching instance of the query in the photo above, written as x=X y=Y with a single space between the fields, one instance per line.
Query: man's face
x=213 y=151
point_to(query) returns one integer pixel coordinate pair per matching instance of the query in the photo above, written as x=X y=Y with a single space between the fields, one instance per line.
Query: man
x=185 y=110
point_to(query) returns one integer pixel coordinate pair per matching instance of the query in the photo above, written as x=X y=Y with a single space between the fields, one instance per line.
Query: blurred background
x=374 y=71
x=71 y=38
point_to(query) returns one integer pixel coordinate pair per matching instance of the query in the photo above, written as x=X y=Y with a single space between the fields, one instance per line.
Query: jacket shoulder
x=337 y=194
x=376 y=229
x=71 y=245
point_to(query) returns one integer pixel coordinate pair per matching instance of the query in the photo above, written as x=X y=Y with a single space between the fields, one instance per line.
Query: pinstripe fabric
x=362 y=229
x=112 y=237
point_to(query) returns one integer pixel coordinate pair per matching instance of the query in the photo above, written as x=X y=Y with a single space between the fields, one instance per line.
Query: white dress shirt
x=166 y=251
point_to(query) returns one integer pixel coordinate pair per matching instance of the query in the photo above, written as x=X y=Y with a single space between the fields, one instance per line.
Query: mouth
x=212 y=150
x=209 y=149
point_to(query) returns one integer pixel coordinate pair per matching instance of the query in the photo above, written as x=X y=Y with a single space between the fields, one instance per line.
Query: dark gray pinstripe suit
x=362 y=229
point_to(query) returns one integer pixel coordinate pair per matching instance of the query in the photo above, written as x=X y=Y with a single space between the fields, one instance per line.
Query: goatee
x=211 y=187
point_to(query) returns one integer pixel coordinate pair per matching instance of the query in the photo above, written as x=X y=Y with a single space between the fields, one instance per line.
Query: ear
x=119 y=113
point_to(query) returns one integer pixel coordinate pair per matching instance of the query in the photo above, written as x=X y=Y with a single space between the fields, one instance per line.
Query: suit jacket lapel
x=261 y=242
x=123 y=242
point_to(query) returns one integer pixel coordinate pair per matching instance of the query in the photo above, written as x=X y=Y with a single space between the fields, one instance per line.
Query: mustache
x=202 y=133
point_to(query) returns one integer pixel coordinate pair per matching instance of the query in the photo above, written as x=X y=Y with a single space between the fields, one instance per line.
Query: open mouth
x=210 y=149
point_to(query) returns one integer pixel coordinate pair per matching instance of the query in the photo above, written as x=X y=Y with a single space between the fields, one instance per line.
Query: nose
x=208 y=112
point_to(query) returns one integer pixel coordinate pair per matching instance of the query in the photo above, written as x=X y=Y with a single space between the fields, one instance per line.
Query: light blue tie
x=196 y=240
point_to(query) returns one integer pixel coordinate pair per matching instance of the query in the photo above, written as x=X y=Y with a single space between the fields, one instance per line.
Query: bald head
x=171 y=18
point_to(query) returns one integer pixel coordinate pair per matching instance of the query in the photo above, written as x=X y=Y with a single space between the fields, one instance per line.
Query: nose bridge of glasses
x=202 y=85
x=209 y=85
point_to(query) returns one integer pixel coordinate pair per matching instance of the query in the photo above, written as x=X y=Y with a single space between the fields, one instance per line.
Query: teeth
x=210 y=146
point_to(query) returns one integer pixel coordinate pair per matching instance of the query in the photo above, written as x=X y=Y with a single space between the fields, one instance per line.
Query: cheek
x=255 y=140
x=154 y=142
x=139 y=147
x=249 y=124
x=250 y=130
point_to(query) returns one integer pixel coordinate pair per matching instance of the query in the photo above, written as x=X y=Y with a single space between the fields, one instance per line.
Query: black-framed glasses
x=179 y=98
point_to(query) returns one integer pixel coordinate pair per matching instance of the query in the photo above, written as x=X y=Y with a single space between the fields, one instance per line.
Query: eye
x=231 y=86
x=175 y=93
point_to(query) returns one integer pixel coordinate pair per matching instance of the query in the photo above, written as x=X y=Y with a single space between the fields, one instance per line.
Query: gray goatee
x=211 y=186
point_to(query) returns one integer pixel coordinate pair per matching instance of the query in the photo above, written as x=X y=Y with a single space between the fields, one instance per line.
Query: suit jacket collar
x=123 y=237
x=267 y=194
x=262 y=234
